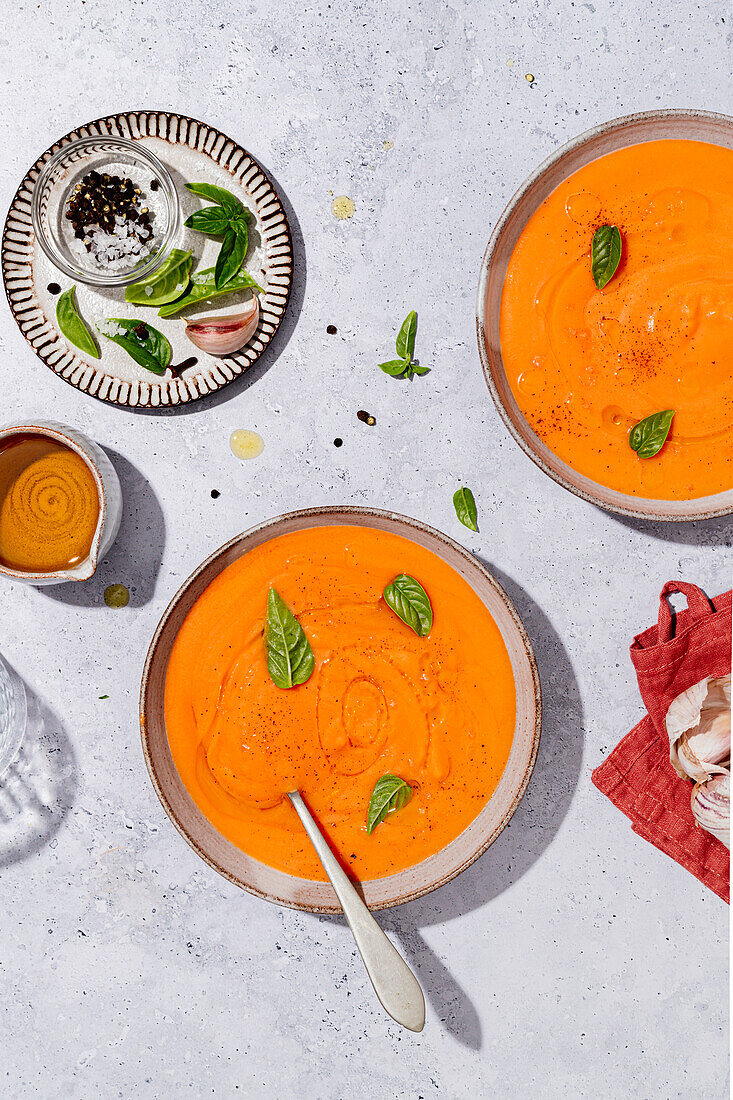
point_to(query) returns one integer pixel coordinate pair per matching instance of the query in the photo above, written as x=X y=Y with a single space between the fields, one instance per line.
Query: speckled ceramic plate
x=191 y=151
x=617 y=134
x=299 y=893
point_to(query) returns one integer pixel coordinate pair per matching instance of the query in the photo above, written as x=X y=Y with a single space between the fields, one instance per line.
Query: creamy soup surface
x=437 y=711
x=585 y=365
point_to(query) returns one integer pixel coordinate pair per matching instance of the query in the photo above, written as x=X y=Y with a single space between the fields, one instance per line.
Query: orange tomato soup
x=437 y=711
x=49 y=505
x=585 y=365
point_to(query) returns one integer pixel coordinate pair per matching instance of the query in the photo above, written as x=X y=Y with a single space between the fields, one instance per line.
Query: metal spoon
x=393 y=981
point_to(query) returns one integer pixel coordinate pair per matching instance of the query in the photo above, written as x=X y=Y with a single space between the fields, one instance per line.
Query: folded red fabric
x=670 y=657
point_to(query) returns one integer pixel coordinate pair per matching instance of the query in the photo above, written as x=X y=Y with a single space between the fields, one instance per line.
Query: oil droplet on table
x=246 y=444
x=343 y=207
x=116 y=595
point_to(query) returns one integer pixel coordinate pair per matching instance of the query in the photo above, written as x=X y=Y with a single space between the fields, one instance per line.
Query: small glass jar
x=56 y=184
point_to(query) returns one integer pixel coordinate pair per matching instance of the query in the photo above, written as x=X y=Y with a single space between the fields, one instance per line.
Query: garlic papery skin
x=224 y=335
x=711 y=807
x=698 y=725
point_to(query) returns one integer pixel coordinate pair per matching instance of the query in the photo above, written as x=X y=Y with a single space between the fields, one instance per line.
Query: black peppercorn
x=107 y=201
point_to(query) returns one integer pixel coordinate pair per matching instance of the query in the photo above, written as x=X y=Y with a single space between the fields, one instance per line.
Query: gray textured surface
x=573 y=959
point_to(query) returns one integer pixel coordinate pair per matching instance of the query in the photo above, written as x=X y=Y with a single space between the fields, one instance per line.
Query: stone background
x=573 y=959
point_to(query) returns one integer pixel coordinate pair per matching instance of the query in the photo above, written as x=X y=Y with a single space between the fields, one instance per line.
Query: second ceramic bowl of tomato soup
x=573 y=368
x=454 y=713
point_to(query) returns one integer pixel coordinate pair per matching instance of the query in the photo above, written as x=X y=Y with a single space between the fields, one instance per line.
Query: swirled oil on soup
x=585 y=365
x=49 y=505
x=437 y=711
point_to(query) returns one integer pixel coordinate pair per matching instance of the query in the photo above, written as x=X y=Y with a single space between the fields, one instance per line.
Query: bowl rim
x=138 y=152
x=346 y=512
x=645 y=508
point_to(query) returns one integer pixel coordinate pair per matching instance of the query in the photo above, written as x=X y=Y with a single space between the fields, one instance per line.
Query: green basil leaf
x=405 y=342
x=203 y=287
x=223 y=198
x=416 y=368
x=605 y=254
x=231 y=256
x=409 y=600
x=73 y=326
x=395 y=367
x=290 y=659
x=390 y=793
x=211 y=219
x=465 y=506
x=648 y=436
x=164 y=285
x=141 y=341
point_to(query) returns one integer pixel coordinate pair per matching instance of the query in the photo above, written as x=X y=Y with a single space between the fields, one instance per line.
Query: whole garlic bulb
x=698 y=725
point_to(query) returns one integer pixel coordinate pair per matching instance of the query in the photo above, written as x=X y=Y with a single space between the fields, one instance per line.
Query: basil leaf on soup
x=210 y=219
x=73 y=326
x=231 y=256
x=465 y=506
x=390 y=793
x=409 y=600
x=290 y=659
x=649 y=436
x=605 y=254
x=164 y=285
x=405 y=342
x=223 y=198
x=203 y=287
x=141 y=341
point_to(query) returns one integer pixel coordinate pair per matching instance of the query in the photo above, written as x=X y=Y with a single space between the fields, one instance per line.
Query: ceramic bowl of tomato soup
x=454 y=713
x=574 y=368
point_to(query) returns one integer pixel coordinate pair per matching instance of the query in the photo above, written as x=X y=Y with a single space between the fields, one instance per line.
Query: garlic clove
x=226 y=334
x=698 y=725
x=698 y=751
x=711 y=807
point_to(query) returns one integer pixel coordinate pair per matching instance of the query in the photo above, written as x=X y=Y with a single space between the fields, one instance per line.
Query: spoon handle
x=393 y=981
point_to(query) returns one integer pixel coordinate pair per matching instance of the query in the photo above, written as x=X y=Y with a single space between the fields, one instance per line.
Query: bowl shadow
x=716 y=532
x=39 y=788
x=523 y=841
x=280 y=340
x=135 y=556
x=550 y=791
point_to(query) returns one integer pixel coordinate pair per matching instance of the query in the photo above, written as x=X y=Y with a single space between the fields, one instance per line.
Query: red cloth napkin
x=679 y=651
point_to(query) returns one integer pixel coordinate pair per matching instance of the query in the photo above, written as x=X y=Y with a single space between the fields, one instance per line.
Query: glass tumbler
x=13 y=715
